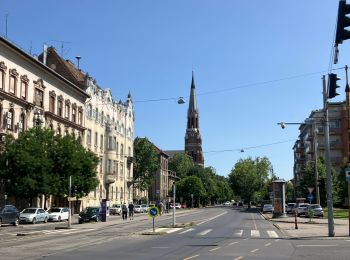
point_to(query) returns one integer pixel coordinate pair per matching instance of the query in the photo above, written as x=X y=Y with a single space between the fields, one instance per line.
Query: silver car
x=58 y=214
x=33 y=215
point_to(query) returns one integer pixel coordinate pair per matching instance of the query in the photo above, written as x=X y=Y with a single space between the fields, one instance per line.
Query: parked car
x=90 y=214
x=227 y=203
x=290 y=208
x=267 y=208
x=9 y=214
x=302 y=209
x=58 y=214
x=115 y=209
x=138 y=209
x=316 y=209
x=184 y=206
x=33 y=215
x=144 y=207
x=177 y=205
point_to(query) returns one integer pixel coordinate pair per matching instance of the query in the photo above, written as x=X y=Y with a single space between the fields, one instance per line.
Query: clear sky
x=255 y=63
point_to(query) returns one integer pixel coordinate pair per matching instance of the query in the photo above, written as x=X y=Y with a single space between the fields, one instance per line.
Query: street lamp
x=311 y=122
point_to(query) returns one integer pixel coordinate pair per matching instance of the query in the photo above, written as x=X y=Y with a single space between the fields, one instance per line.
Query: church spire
x=192 y=106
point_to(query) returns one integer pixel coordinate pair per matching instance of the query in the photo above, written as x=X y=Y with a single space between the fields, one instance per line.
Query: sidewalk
x=317 y=229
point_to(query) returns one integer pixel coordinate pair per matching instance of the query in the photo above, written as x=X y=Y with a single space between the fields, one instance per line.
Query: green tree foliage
x=289 y=192
x=38 y=162
x=146 y=162
x=191 y=185
x=249 y=177
x=181 y=163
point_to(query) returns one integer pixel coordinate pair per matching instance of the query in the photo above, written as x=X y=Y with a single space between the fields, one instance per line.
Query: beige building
x=109 y=133
x=33 y=93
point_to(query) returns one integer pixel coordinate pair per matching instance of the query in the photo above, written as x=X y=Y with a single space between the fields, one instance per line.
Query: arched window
x=90 y=111
x=21 y=125
x=9 y=119
x=96 y=115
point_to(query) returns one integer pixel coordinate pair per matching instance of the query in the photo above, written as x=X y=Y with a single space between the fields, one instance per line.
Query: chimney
x=45 y=54
x=78 y=60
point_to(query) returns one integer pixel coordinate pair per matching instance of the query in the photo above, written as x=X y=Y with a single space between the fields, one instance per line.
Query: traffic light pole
x=70 y=203
x=328 y=167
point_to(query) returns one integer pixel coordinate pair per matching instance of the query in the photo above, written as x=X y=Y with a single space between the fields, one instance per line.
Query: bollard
x=296 y=219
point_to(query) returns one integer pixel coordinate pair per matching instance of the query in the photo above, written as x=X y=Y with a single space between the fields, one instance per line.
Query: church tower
x=193 y=139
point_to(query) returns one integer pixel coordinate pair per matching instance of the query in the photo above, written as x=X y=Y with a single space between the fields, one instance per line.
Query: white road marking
x=272 y=233
x=268 y=244
x=188 y=230
x=253 y=251
x=233 y=243
x=204 y=232
x=194 y=256
x=239 y=233
x=315 y=245
x=246 y=239
x=209 y=219
x=159 y=247
x=255 y=233
x=238 y=258
x=216 y=248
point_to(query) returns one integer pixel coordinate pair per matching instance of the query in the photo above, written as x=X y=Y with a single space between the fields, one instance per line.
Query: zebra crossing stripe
x=188 y=230
x=272 y=233
x=204 y=232
x=254 y=233
x=239 y=233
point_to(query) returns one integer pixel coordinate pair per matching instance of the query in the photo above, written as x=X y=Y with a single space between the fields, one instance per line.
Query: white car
x=138 y=209
x=33 y=215
x=177 y=205
x=58 y=214
x=144 y=207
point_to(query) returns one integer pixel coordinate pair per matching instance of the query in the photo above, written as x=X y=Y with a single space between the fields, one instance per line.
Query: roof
x=172 y=153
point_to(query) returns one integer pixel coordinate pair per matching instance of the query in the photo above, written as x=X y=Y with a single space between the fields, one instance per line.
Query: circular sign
x=310 y=197
x=153 y=212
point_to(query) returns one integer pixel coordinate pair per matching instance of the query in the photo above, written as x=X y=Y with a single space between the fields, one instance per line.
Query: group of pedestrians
x=126 y=209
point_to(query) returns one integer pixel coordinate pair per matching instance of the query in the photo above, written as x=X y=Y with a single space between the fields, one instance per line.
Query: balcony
x=110 y=178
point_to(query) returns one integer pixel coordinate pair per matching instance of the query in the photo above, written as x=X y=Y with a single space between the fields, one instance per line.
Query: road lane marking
x=239 y=233
x=315 y=245
x=159 y=247
x=204 y=232
x=276 y=240
x=194 y=256
x=246 y=238
x=272 y=233
x=268 y=244
x=200 y=223
x=188 y=230
x=238 y=258
x=253 y=251
x=216 y=248
x=255 y=233
x=254 y=221
x=233 y=243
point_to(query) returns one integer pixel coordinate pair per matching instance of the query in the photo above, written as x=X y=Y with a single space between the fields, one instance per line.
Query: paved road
x=219 y=233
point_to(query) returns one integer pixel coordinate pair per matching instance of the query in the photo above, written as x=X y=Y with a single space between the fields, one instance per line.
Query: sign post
x=153 y=213
x=347 y=176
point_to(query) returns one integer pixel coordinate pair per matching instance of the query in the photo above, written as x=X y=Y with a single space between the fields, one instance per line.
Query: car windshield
x=91 y=210
x=54 y=210
x=315 y=206
x=137 y=206
x=29 y=211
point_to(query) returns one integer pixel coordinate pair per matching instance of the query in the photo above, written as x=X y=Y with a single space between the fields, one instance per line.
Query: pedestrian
x=124 y=212
x=131 y=211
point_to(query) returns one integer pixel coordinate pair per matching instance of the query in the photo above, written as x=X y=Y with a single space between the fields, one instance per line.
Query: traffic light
x=73 y=191
x=332 y=85
x=343 y=22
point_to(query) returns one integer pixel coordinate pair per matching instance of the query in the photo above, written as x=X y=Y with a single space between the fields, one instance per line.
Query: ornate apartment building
x=33 y=93
x=109 y=133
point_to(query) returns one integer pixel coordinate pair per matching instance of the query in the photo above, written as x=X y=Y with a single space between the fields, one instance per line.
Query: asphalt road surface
x=218 y=233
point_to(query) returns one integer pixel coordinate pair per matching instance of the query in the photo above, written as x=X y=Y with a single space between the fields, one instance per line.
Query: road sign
x=153 y=212
x=347 y=174
x=310 y=197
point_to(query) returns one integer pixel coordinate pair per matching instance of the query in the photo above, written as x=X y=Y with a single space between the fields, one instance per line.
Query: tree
x=38 y=162
x=249 y=176
x=146 y=163
x=181 y=163
x=190 y=185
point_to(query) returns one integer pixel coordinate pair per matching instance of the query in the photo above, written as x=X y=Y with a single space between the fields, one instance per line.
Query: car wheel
x=45 y=220
x=16 y=222
x=34 y=221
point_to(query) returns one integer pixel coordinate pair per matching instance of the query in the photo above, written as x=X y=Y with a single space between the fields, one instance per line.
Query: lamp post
x=124 y=151
x=315 y=131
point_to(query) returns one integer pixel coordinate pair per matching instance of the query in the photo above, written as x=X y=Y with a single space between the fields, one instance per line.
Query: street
x=218 y=233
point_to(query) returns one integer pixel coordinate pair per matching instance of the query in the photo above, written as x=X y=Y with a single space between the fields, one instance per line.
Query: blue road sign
x=153 y=212
x=310 y=197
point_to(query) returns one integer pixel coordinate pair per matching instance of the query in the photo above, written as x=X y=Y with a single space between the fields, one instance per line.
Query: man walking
x=131 y=211
x=124 y=212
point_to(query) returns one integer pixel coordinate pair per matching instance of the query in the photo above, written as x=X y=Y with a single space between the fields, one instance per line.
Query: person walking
x=131 y=211
x=124 y=212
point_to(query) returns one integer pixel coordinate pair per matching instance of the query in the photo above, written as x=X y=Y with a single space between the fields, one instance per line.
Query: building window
x=117 y=147
x=21 y=123
x=74 y=114
x=9 y=119
x=80 y=118
x=114 y=142
x=96 y=115
x=67 y=111
x=59 y=107
x=39 y=98
x=2 y=75
x=52 y=104
x=24 y=86
x=121 y=151
x=96 y=139
x=101 y=142
x=109 y=166
x=90 y=111
x=13 y=82
x=88 y=137
x=110 y=143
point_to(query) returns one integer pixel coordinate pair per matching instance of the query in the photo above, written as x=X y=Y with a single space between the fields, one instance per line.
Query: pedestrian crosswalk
x=52 y=232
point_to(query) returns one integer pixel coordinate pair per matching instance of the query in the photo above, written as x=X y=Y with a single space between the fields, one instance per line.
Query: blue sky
x=151 y=47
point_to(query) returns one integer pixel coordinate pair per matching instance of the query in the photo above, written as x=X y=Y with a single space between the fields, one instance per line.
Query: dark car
x=90 y=214
x=9 y=214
